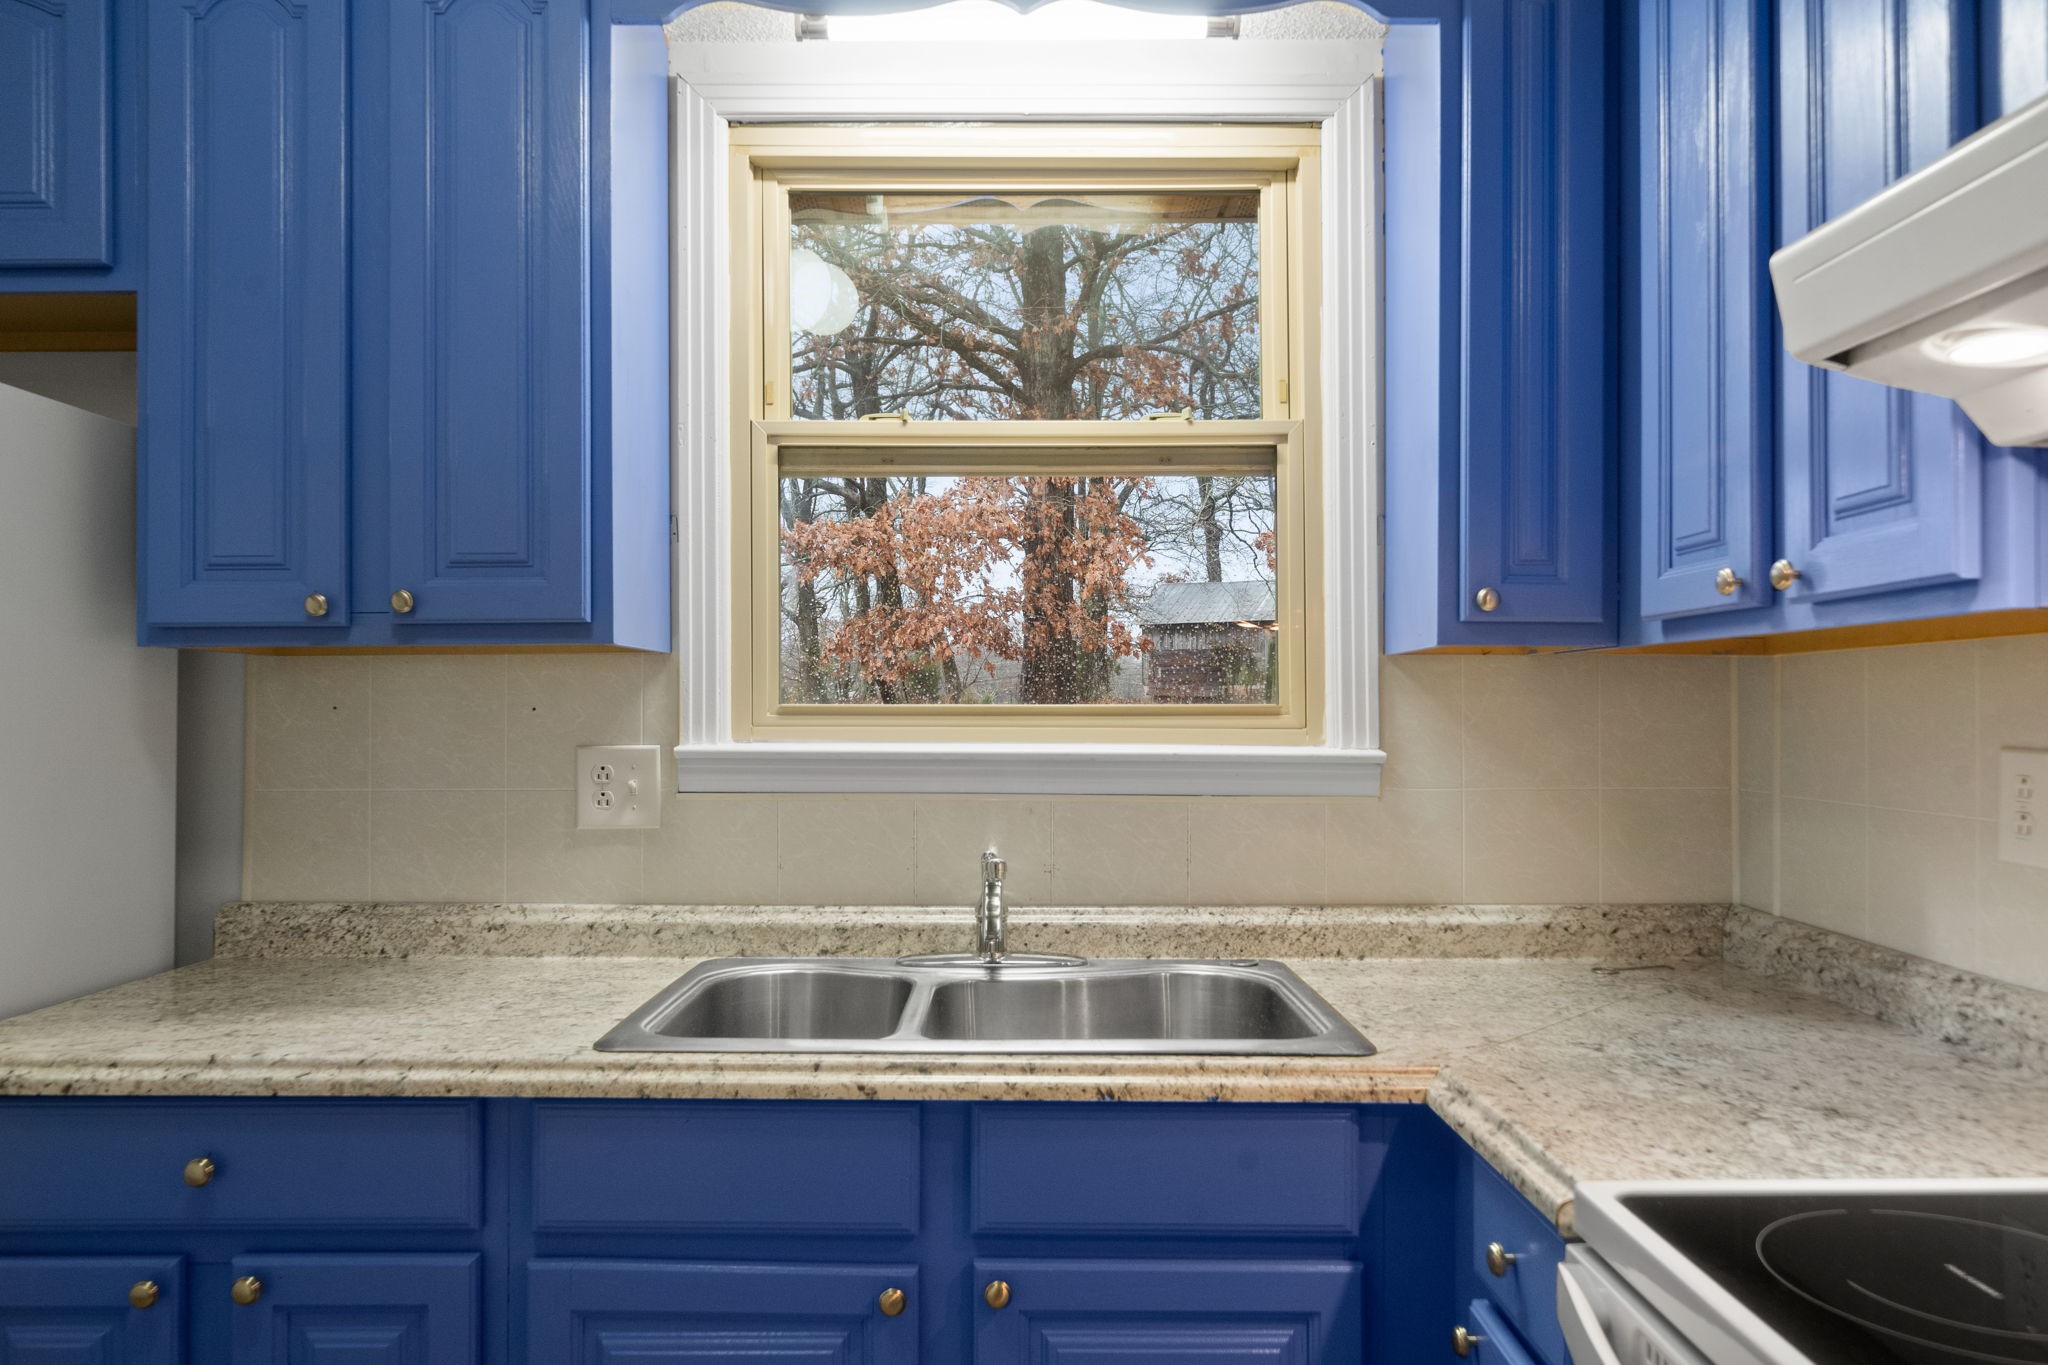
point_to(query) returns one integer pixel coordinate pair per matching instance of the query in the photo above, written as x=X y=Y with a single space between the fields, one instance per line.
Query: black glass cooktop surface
x=1875 y=1279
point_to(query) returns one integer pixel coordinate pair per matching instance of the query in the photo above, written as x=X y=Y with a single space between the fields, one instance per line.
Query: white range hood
x=1940 y=283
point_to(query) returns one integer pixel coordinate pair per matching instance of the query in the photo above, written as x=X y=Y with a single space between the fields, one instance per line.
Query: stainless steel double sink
x=962 y=1005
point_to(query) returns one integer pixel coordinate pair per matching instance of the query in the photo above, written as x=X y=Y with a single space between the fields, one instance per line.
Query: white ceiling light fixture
x=989 y=21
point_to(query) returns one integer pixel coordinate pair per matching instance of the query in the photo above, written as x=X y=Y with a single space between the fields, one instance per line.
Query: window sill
x=1028 y=769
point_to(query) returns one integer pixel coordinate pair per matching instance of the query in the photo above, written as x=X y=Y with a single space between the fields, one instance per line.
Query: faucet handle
x=993 y=868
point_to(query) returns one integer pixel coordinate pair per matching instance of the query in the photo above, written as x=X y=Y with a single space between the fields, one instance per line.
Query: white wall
x=1868 y=786
x=98 y=381
x=88 y=719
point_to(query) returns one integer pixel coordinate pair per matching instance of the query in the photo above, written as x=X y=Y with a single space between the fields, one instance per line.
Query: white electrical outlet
x=2022 y=807
x=618 y=786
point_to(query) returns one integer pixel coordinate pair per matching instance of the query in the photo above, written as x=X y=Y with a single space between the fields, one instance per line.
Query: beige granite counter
x=1557 y=1070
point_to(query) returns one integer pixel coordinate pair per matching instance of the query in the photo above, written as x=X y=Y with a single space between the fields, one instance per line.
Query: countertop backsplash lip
x=1987 y=1019
x=1619 y=935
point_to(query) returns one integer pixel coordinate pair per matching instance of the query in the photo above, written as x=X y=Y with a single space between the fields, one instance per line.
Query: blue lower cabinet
x=612 y=1312
x=1511 y=1254
x=1118 y=1312
x=94 y=1310
x=1491 y=1341
x=356 y=1310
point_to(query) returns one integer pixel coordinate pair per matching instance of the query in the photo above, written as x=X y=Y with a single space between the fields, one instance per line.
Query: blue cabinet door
x=1114 y=1312
x=1498 y=1343
x=1703 y=414
x=244 y=506
x=55 y=126
x=2015 y=47
x=357 y=1310
x=613 y=1312
x=97 y=1309
x=1880 y=487
x=1538 y=430
x=487 y=498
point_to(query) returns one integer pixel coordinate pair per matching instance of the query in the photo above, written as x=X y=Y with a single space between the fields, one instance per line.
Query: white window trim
x=1333 y=84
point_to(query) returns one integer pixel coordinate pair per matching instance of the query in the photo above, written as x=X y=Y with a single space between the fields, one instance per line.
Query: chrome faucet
x=992 y=920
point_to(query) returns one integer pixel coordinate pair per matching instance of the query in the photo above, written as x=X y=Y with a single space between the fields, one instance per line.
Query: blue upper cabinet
x=1699 y=385
x=244 y=324
x=406 y=378
x=487 y=193
x=1499 y=508
x=1537 y=425
x=2016 y=54
x=55 y=133
x=1829 y=501
x=1880 y=487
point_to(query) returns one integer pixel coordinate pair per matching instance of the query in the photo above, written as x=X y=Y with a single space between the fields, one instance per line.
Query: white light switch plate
x=618 y=786
x=2023 y=806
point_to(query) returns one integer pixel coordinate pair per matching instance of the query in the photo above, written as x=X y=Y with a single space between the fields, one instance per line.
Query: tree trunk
x=1212 y=526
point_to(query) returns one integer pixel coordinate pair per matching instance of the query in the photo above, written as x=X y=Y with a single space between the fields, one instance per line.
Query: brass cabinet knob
x=1727 y=582
x=1784 y=574
x=316 y=604
x=1499 y=1258
x=200 y=1170
x=891 y=1303
x=143 y=1294
x=401 y=601
x=1486 y=599
x=1463 y=1339
x=997 y=1295
x=246 y=1290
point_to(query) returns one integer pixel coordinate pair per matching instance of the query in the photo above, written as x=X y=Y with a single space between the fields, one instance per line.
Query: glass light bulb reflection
x=2004 y=344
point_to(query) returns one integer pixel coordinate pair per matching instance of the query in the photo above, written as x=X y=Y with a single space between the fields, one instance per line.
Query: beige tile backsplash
x=1868 y=783
x=1509 y=779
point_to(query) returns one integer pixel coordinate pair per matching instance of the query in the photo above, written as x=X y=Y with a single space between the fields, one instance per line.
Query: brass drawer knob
x=1499 y=1258
x=200 y=1170
x=891 y=1303
x=401 y=601
x=246 y=1290
x=997 y=1295
x=143 y=1294
x=316 y=604
x=1784 y=574
x=1727 y=582
x=1486 y=599
x=1463 y=1339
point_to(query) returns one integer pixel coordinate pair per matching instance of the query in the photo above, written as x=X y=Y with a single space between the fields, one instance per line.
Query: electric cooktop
x=1841 y=1273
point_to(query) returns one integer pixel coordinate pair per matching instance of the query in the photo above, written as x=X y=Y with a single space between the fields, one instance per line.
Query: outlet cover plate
x=618 y=786
x=2023 y=806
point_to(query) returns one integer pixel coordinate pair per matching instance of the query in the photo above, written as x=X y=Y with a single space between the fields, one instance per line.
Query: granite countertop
x=1557 y=1070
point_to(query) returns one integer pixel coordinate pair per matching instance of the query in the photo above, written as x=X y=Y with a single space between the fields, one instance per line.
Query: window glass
x=1028 y=589
x=1047 y=306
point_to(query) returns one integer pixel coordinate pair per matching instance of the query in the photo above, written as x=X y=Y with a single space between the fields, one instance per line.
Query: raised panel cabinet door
x=1497 y=1342
x=488 y=498
x=355 y=1310
x=91 y=1310
x=649 y=1312
x=2015 y=49
x=54 y=124
x=1703 y=378
x=243 y=482
x=1115 y=1312
x=1538 y=432
x=1879 y=487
